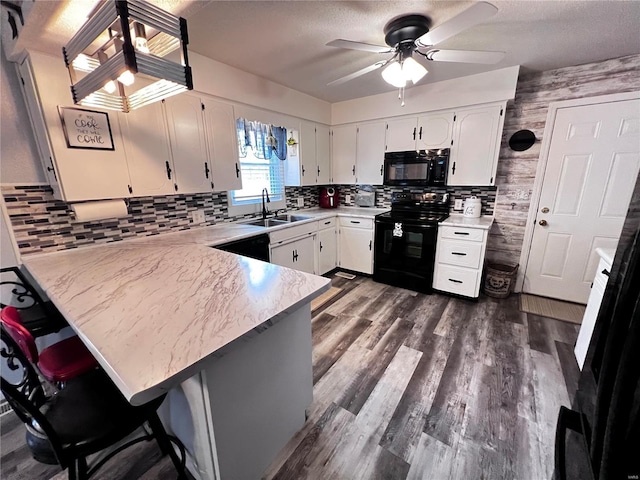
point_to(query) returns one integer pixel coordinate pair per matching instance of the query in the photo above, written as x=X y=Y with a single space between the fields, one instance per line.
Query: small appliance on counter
x=472 y=207
x=365 y=197
x=329 y=197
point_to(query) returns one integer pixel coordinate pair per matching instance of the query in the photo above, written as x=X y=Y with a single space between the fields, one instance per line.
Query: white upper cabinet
x=477 y=133
x=370 y=153
x=343 y=154
x=402 y=134
x=146 y=145
x=308 y=171
x=188 y=143
x=434 y=131
x=222 y=143
x=75 y=174
x=323 y=155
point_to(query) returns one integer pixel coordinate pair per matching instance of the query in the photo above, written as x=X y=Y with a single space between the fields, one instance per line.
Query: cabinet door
x=356 y=249
x=146 y=146
x=284 y=255
x=222 y=143
x=343 y=158
x=308 y=171
x=323 y=155
x=434 y=131
x=370 y=153
x=299 y=254
x=402 y=134
x=327 y=250
x=188 y=143
x=476 y=143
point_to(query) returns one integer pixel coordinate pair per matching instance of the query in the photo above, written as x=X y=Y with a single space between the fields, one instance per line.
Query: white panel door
x=323 y=155
x=343 y=154
x=146 y=146
x=327 y=250
x=434 y=131
x=222 y=141
x=593 y=164
x=356 y=249
x=188 y=143
x=370 y=153
x=402 y=134
x=308 y=171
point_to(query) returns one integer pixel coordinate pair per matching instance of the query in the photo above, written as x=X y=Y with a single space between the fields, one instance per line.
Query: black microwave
x=416 y=168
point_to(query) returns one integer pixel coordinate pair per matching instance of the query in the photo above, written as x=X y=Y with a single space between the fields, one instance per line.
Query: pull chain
x=401 y=96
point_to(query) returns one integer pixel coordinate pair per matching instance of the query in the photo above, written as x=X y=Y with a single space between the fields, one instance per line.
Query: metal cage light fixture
x=116 y=62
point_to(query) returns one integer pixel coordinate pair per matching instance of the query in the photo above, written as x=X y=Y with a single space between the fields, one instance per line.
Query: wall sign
x=86 y=128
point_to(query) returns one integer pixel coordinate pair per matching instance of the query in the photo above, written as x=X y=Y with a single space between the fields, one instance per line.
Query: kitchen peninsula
x=227 y=336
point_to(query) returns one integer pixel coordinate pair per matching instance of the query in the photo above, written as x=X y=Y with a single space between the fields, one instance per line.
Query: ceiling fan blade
x=464 y=56
x=477 y=13
x=366 y=47
x=359 y=73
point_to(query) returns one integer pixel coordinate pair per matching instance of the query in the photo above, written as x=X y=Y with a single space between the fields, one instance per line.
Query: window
x=260 y=165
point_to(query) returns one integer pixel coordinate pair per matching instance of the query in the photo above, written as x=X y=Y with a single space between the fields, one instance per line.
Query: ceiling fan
x=410 y=34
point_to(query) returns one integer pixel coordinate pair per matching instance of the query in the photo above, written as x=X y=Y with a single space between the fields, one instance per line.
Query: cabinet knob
x=543 y=223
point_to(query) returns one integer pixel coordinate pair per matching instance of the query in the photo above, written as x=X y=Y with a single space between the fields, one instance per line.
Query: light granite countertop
x=456 y=220
x=153 y=315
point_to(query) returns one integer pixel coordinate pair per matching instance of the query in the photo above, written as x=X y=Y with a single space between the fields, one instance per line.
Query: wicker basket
x=499 y=279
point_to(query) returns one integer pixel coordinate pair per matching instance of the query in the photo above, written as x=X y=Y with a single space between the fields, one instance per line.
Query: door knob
x=543 y=223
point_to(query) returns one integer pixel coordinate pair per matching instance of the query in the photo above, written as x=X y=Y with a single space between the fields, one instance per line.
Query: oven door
x=405 y=254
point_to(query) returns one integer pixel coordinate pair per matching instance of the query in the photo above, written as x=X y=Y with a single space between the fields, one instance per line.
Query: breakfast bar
x=228 y=337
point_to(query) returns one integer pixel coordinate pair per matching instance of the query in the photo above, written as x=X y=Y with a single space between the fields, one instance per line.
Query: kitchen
x=527 y=97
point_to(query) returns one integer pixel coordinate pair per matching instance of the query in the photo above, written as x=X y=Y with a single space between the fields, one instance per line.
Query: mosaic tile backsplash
x=41 y=223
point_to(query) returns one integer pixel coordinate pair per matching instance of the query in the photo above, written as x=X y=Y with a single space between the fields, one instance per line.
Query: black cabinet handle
x=303 y=170
x=168 y=169
x=370 y=244
x=206 y=170
x=293 y=255
x=381 y=167
x=327 y=223
x=354 y=221
x=606 y=272
x=353 y=170
x=414 y=133
x=461 y=233
x=318 y=170
x=420 y=136
x=320 y=246
x=459 y=253
x=455 y=281
x=237 y=171
x=453 y=169
x=567 y=419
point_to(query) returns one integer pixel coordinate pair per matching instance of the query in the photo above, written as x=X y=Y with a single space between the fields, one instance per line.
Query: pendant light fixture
x=116 y=60
x=403 y=70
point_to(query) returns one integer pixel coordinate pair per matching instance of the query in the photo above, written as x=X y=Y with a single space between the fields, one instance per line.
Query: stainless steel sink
x=269 y=222
x=290 y=218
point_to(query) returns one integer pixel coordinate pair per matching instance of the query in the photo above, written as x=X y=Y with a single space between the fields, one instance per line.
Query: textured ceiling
x=284 y=41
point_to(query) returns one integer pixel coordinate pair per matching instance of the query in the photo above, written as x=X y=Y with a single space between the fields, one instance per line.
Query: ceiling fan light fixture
x=412 y=70
x=394 y=75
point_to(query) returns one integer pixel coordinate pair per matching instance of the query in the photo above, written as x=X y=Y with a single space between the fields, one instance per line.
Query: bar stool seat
x=58 y=363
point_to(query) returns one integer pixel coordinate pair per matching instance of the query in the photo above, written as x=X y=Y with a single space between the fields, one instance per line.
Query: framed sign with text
x=86 y=128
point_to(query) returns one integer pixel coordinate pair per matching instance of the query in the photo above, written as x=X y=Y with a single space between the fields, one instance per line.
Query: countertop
x=154 y=314
x=456 y=220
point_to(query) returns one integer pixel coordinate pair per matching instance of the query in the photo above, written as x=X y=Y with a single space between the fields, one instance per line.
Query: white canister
x=472 y=207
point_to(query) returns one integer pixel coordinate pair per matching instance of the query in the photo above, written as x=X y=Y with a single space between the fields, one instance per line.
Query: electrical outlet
x=458 y=204
x=347 y=199
x=300 y=201
x=197 y=216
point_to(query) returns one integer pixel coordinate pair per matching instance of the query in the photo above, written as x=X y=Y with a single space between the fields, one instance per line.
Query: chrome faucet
x=264 y=205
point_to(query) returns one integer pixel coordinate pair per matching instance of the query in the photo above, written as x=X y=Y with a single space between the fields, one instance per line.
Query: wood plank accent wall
x=517 y=170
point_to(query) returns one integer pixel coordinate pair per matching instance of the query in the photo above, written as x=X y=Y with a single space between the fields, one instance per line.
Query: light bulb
x=110 y=86
x=412 y=70
x=126 y=78
x=141 y=45
x=140 y=35
x=393 y=74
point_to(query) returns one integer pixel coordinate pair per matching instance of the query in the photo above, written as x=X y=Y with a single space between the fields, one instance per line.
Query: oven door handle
x=567 y=420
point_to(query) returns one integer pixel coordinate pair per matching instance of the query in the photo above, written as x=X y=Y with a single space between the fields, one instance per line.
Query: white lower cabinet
x=297 y=254
x=460 y=255
x=356 y=244
x=327 y=246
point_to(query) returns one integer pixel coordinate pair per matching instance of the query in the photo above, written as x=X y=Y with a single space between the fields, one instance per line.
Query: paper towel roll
x=89 y=211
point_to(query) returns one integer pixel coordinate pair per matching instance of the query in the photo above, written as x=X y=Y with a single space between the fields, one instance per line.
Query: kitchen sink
x=268 y=222
x=290 y=218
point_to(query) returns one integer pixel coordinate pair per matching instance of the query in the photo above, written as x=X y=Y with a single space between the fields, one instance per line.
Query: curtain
x=263 y=139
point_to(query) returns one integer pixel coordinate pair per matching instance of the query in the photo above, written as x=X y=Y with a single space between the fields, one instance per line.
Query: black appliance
x=405 y=240
x=599 y=438
x=421 y=168
x=255 y=247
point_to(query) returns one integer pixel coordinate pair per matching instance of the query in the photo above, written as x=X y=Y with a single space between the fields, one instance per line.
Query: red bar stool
x=58 y=363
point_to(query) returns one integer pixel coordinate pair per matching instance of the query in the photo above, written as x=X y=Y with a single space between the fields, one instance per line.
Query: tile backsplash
x=41 y=223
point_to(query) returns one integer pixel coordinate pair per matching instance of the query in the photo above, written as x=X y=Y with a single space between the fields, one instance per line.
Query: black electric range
x=405 y=240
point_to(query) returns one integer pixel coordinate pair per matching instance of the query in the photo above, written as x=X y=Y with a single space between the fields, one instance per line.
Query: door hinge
x=491 y=181
x=22 y=80
x=452 y=141
x=212 y=187
x=387 y=126
x=130 y=189
x=501 y=112
x=202 y=105
x=175 y=187
x=454 y=118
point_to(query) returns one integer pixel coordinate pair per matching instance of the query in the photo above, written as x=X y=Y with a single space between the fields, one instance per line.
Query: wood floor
x=405 y=386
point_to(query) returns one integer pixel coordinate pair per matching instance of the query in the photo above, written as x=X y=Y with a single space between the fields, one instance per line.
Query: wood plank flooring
x=406 y=386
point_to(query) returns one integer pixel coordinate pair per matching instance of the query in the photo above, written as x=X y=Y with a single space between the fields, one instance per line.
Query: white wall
x=488 y=87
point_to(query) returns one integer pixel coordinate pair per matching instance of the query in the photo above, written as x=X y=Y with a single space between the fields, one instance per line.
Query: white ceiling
x=284 y=41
